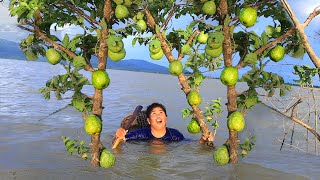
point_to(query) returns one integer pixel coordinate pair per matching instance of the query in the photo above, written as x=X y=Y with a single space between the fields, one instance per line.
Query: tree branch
x=171 y=13
x=81 y=13
x=25 y=28
x=195 y=33
x=38 y=32
x=313 y=131
x=315 y=13
x=107 y=10
x=270 y=44
x=182 y=78
x=300 y=28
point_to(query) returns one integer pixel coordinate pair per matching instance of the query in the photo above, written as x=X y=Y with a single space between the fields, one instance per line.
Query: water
x=33 y=149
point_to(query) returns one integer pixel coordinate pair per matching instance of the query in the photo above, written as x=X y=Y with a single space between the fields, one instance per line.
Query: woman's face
x=158 y=119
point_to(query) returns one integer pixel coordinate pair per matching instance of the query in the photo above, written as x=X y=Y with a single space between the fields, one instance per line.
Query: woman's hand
x=121 y=133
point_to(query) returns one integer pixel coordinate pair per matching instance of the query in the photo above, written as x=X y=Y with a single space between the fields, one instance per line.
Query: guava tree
x=225 y=42
x=99 y=39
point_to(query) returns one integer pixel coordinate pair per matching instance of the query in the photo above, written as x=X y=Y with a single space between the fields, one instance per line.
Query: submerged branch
x=297 y=121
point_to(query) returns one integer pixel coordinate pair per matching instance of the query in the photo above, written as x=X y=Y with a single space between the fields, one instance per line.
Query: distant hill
x=11 y=50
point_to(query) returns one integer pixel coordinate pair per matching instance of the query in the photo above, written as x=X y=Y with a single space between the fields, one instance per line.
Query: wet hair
x=154 y=105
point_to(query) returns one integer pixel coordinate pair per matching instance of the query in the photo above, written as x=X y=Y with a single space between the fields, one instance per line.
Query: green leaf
x=265 y=38
x=134 y=41
x=103 y=24
x=65 y=40
x=251 y=58
x=299 y=52
x=185 y=49
x=227 y=20
x=186 y=113
x=157 y=28
x=79 y=61
x=282 y=92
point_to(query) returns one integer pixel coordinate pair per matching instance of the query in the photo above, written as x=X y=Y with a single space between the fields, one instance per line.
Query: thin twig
x=54 y=112
x=195 y=33
x=171 y=13
x=81 y=13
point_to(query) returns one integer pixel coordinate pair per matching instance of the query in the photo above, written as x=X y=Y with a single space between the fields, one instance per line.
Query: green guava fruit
x=213 y=52
x=209 y=8
x=277 y=53
x=202 y=37
x=175 y=67
x=121 y=11
x=221 y=155
x=100 y=79
x=107 y=159
x=142 y=25
x=194 y=98
x=229 y=76
x=115 y=43
x=93 y=125
x=248 y=16
x=193 y=126
x=117 y=56
x=53 y=56
x=236 y=121
x=157 y=56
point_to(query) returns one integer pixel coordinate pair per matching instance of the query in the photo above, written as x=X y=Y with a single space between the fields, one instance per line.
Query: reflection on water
x=157 y=146
x=31 y=147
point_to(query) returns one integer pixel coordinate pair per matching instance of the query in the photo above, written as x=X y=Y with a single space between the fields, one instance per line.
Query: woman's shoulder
x=176 y=133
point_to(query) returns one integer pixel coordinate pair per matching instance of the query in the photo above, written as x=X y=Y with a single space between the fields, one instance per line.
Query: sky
x=9 y=31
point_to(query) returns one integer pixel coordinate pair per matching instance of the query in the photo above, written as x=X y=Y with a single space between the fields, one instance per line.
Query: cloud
x=5 y=17
x=302 y=9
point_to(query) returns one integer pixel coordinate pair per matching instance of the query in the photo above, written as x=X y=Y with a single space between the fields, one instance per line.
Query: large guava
x=157 y=56
x=277 y=53
x=100 y=79
x=194 y=98
x=175 y=67
x=93 y=125
x=209 y=8
x=248 y=16
x=236 y=121
x=53 y=56
x=193 y=126
x=229 y=76
x=107 y=159
x=221 y=155
x=213 y=52
x=121 y=11
x=117 y=56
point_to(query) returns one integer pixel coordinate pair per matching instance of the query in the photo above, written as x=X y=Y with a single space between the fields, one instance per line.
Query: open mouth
x=159 y=121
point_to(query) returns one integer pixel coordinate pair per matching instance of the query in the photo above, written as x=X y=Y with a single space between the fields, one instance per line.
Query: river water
x=31 y=145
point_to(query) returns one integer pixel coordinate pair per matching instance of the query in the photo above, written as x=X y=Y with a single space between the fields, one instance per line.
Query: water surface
x=31 y=147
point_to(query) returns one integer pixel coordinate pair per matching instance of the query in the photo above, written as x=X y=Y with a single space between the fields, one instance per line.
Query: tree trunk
x=182 y=78
x=95 y=144
x=231 y=92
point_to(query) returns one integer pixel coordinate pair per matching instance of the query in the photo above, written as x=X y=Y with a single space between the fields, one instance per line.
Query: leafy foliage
x=305 y=73
x=74 y=146
x=247 y=145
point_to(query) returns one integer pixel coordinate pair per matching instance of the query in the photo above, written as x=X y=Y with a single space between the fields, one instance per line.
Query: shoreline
x=208 y=77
